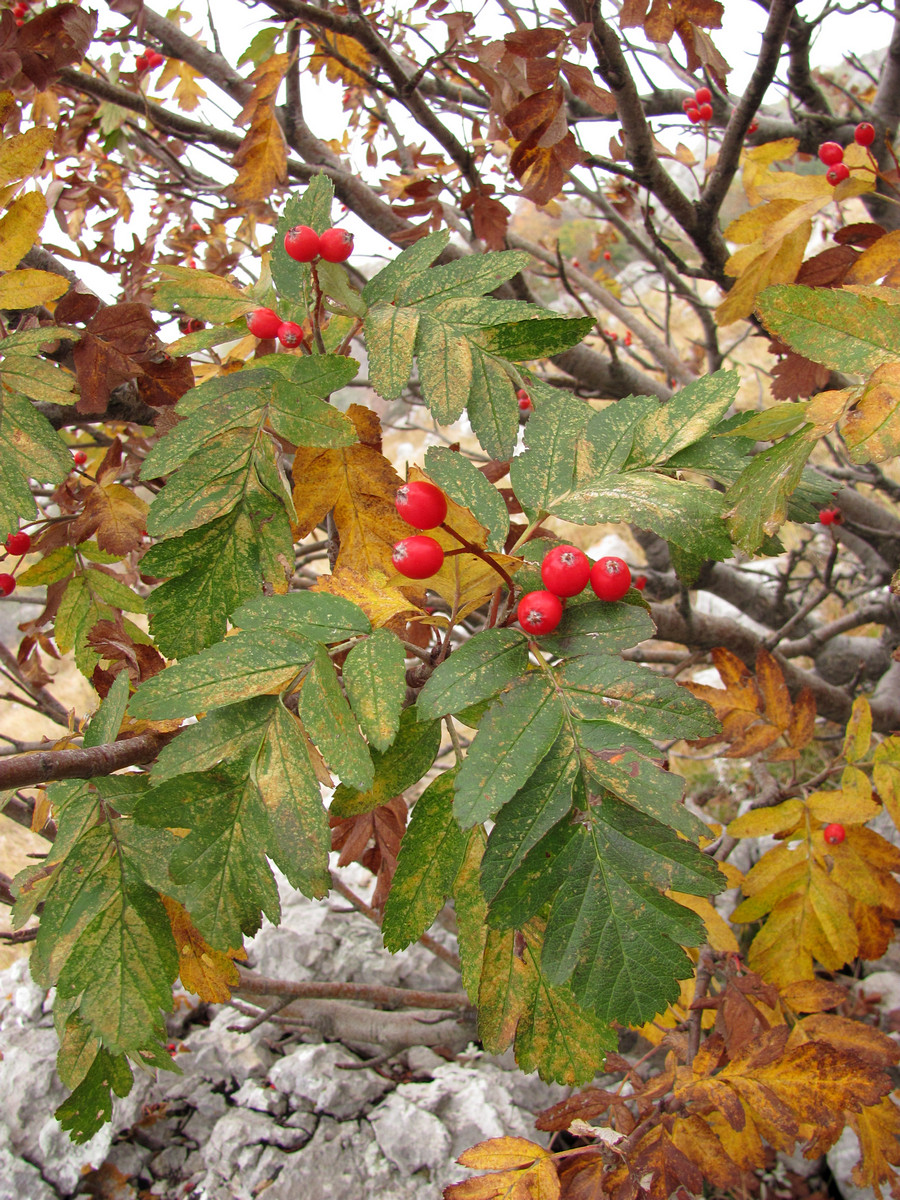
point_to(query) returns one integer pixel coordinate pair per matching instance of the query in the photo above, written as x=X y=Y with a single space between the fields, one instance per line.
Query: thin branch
x=371 y=993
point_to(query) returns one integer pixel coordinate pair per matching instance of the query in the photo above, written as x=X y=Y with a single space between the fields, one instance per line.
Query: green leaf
x=331 y=724
x=261 y=739
x=244 y=665
x=299 y=837
x=464 y=483
x=683 y=420
x=839 y=329
x=596 y=627
x=605 y=688
x=471 y=914
x=89 y=1107
x=221 y=865
x=400 y=766
x=492 y=407
x=415 y=259
x=335 y=283
x=557 y=443
x=472 y=275
x=213 y=570
x=374 y=677
x=314 y=615
x=513 y=737
x=390 y=342
x=771 y=423
x=445 y=367
x=107 y=720
x=610 y=929
x=544 y=800
x=474 y=671
x=504 y=991
x=536 y=338
x=688 y=514
x=431 y=855
x=38 y=379
x=30 y=448
x=757 y=503
x=261 y=46
x=51 y=569
x=201 y=294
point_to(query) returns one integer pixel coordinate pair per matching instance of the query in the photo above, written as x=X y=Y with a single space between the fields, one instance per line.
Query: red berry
x=264 y=323
x=191 y=324
x=690 y=102
x=7 y=584
x=19 y=10
x=826 y=516
x=301 y=243
x=834 y=834
x=421 y=504
x=576 y=264
x=141 y=64
x=837 y=174
x=864 y=134
x=80 y=457
x=565 y=571
x=539 y=612
x=703 y=95
x=418 y=557
x=640 y=582
x=610 y=578
x=18 y=543
x=693 y=115
x=831 y=153
x=336 y=245
x=753 y=126
x=290 y=334
x=524 y=400
x=627 y=338
x=155 y=59
x=706 y=112
x=607 y=255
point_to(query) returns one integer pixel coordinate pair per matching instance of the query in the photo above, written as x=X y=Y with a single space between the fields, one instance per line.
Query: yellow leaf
x=19 y=228
x=878 y=1130
x=359 y=484
x=886 y=776
x=871 y=428
x=763 y=822
x=500 y=1154
x=876 y=260
x=23 y=153
x=28 y=288
x=774 y=691
x=852 y=805
x=826 y=409
x=260 y=160
x=380 y=602
x=719 y=933
x=777 y=265
x=813 y=995
x=209 y=974
x=188 y=92
x=331 y=49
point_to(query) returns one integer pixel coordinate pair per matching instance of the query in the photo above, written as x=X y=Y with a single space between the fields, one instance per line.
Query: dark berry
x=418 y=557
x=18 y=543
x=336 y=245
x=301 y=243
x=539 y=612
x=421 y=504
x=264 y=323
x=610 y=578
x=565 y=571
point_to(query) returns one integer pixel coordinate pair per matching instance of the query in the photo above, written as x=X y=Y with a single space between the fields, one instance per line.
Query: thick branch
x=26 y=770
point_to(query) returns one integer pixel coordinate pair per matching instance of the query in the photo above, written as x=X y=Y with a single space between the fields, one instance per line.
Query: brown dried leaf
x=384 y=828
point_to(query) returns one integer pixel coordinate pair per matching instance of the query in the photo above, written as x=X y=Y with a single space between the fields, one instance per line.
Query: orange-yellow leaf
x=878 y=1129
x=764 y=822
x=500 y=1154
x=115 y=515
x=209 y=974
x=719 y=933
x=813 y=995
x=19 y=228
x=381 y=603
x=776 y=698
x=876 y=260
x=188 y=91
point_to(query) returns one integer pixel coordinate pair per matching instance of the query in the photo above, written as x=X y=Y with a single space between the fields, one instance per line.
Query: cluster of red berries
x=525 y=402
x=566 y=571
x=698 y=108
x=148 y=61
x=834 y=834
x=19 y=10
x=424 y=506
x=17 y=544
x=303 y=244
x=266 y=323
x=832 y=153
x=831 y=516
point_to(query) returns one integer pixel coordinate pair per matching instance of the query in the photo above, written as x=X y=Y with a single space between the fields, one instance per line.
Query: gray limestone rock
x=313 y=1080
